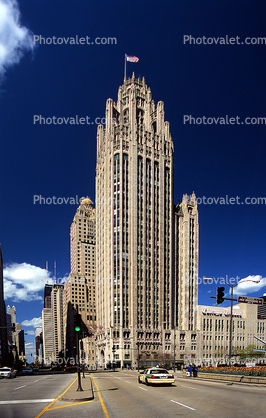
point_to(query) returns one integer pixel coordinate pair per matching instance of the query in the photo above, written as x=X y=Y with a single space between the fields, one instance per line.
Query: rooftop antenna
x=55 y=272
x=46 y=272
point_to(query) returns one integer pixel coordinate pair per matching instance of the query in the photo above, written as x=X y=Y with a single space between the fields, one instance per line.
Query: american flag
x=131 y=58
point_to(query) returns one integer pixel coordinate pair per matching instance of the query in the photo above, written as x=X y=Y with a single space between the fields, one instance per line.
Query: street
x=118 y=394
x=26 y=396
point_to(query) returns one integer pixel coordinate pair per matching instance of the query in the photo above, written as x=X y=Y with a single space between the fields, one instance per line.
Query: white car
x=156 y=376
x=7 y=372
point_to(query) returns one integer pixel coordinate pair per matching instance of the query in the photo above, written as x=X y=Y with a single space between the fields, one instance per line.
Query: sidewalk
x=80 y=396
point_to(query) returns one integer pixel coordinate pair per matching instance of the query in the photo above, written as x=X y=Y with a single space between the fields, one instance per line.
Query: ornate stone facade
x=136 y=281
x=79 y=289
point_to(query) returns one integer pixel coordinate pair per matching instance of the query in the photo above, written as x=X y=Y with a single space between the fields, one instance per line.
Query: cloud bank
x=250 y=284
x=23 y=282
x=15 y=39
x=34 y=322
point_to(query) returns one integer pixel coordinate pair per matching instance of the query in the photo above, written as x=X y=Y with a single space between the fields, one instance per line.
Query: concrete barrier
x=228 y=378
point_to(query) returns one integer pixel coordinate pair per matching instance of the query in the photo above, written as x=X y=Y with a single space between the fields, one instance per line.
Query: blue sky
x=193 y=80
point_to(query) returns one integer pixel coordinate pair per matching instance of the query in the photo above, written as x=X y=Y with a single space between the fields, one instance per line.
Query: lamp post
x=113 y=350
x=174 y=349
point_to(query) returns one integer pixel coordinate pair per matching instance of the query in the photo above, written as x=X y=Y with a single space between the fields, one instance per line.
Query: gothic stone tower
x=134 y=227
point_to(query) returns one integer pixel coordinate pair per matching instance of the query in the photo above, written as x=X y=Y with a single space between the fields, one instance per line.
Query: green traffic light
x=77 y=329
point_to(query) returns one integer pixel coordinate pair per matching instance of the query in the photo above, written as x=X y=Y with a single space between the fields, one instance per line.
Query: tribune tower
x=134 y=226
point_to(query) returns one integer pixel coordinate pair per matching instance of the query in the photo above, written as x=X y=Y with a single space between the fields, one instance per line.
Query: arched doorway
x=102 y=359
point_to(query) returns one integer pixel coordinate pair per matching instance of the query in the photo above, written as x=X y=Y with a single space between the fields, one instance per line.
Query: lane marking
x=101 y=399
x=72 y=404
x=142 y=388
x=20 y=387
x=127 y=382
x=53 y=402
x=36 y=381
x=26 y=401
x=188 y=387
x=185 y=406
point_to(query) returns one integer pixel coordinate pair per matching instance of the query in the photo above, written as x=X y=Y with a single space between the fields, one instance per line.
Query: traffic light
x=220 y=295
x=13 y=327
x=77 y=322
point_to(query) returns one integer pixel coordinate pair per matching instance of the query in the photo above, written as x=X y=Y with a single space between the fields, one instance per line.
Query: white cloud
x=14 y=38
x=24 y=281
x=250 y=284
x=34 y=322
x=30 y=333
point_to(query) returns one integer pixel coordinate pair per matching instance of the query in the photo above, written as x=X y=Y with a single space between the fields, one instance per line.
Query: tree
x=249 y=352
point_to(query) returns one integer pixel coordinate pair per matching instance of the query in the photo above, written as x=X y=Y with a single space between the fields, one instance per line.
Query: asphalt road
x=188 y=398
x=118 y=394
x=26 y=396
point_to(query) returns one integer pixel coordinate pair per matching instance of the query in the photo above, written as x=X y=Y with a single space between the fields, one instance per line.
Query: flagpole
x=125 y=71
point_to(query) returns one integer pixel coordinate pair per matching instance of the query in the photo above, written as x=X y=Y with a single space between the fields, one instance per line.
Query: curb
x=226 y=381
x=80 y=396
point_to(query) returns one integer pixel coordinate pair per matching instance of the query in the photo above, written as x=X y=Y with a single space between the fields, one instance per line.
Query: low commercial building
x=214 y=332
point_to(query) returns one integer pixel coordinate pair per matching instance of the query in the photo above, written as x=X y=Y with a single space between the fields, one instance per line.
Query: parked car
x=7 y=372
x=27 y=370
x=156 y=376
x=35 y=368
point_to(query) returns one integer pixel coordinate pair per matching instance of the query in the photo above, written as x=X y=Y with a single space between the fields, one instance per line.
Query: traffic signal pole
x=219 y=298
x=79 y=389
x=231 y=315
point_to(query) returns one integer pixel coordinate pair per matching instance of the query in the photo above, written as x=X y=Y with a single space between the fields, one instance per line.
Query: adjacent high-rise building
x=186 y=263
x=79 y=289
x=134 y=227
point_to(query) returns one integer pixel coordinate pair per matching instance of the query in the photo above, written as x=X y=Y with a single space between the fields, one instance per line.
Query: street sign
x=251 y=301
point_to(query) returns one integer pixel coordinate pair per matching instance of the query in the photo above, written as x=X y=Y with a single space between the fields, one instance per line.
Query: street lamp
x=206 y=279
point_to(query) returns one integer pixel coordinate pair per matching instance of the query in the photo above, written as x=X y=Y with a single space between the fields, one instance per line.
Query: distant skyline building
x=79 y=289
x=262 y=308
x=48 y=335
x=21 y=343
x=146 y=274
x=39 y=347
x=14 y=332
x=57 y=318
x=47 y=295
x=3 y=323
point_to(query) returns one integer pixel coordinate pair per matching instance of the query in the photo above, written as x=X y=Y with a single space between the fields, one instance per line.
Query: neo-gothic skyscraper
x=134 y=225
x=79 y=289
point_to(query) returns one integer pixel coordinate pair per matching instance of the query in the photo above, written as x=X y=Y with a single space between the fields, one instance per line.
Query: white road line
x=20 y=387
x=36 y=381
x=188 y=387
x=27 y=401
x=127 y=382
x=184 y=405
x=142 y=388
